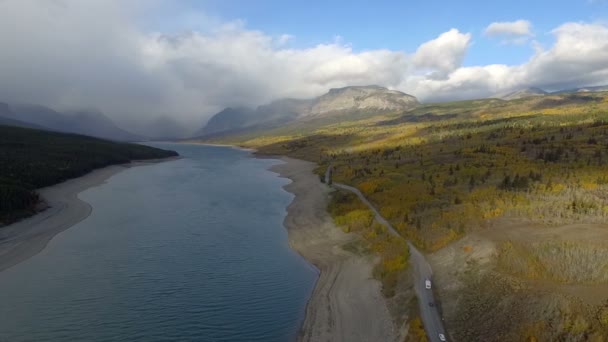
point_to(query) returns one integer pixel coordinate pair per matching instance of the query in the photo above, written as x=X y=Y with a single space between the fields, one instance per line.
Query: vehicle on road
x=442 y=337
x=431 y=304
x=427 y=284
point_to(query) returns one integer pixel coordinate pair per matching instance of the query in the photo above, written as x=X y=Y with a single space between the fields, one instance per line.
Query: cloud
x=443 y=54
x=579 y=57
x=97 y=53
x=70 y=54
x=516 y=28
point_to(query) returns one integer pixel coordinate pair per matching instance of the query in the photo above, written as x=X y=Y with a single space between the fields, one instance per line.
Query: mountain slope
x=373 y=98
x=583 y=90
x=96 y=124
x=227 y=120
x=521 y=93
x=5 y=118
x=91 y=123
x=369 y=100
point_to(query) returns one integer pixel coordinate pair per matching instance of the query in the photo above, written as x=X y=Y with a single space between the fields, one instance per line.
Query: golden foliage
x=416 y=332
x=472 y=162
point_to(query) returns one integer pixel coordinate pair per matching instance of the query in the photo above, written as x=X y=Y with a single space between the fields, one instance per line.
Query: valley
x=459 y=179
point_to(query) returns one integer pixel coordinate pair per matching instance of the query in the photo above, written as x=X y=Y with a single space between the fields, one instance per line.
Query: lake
x=186 y=250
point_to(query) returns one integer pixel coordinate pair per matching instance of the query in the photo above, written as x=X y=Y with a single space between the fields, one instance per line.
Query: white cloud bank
x=71 y=53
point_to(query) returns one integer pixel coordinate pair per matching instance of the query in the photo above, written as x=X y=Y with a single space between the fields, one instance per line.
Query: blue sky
x=401 y=25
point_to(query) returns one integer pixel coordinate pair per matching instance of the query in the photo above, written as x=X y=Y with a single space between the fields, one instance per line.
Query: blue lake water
x=188 y=250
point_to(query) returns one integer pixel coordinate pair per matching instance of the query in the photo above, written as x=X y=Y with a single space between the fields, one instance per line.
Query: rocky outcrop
x=373 y=98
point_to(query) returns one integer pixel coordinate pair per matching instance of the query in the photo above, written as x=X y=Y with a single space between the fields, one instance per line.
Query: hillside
x=227 y=120
x=96 y=124
x=584 y=90
x=31 y=159
x=507 y=197
x=349 y=102
x=5 y=118
x=91 y=123
x=521 y=93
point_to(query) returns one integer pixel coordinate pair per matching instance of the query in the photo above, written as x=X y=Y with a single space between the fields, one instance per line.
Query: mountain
x=533 y=91
x=16 y=123
x=227 y=120
x=371 y=100
x=583 y=90
x=6 y=115
x=95 y=124
x=284 y=110
x=521 y=93
x=38 y=115
x=91 y=123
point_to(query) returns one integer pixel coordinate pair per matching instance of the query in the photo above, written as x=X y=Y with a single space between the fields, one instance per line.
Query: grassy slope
x=444 y=170
x=30 y=159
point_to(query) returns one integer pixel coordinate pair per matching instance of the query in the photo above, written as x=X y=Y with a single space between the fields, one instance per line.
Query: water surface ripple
x=189 y=250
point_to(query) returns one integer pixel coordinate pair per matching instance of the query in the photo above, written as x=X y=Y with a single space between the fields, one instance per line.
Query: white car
x=442 y=337
x=427 y=284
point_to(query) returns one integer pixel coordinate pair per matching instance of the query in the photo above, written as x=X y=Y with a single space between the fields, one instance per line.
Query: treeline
x=31 y=159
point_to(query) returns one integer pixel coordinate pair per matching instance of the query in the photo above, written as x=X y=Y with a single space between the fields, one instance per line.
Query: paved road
x=433 y=323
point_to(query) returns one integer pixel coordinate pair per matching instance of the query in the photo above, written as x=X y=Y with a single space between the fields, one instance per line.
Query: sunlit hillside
x=444 y=171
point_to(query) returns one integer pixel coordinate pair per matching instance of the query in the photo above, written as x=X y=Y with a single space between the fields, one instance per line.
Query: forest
x=32 y=159
x=540 y=158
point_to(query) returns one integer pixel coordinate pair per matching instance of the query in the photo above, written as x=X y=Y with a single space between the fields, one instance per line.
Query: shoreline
x=26 y=238
x=347 y=302
x=236 y=147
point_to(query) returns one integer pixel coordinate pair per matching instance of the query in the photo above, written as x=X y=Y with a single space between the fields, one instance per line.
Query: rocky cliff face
x=373 y=98
x=339 y=101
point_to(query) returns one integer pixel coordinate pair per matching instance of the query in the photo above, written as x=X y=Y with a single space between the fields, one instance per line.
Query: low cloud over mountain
x=72 y=54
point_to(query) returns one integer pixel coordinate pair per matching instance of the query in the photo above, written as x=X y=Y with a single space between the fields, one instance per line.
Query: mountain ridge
x=521 y=93
x=337 y=101
x=87 y=122
x=536 y=91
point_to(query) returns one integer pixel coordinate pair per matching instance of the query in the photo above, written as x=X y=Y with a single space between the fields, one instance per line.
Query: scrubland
x=445 y=173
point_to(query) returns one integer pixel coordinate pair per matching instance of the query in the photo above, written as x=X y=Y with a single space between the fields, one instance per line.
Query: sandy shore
x=26 y=238
x=347 y=303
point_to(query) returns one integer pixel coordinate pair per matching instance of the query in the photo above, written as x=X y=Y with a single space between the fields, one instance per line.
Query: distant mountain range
x=371 y=100
x=533 y=91
x=360 y=101
x=583 y=90
x=92 y=123
x=5 y=118
x=520 y=94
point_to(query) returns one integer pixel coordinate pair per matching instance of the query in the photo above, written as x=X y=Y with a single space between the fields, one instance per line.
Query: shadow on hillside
x=567 y=100
x=408 y=118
